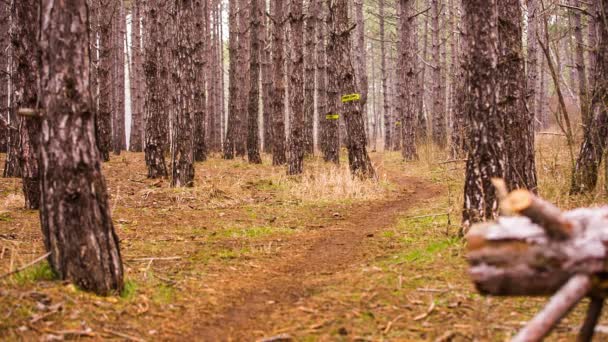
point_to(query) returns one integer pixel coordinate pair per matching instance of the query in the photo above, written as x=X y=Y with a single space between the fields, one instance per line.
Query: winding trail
x=291 y=279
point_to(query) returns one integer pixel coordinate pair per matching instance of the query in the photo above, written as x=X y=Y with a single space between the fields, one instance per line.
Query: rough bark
x=585 y=173
x=439 y=119
x=388 y=124
x=253 y=108
x=135 y=77
x=155 y=114
x=4 y=80
x=296 y=89
x=518 y=122
x=11 y=166
x=25 y=52
x=243 y=77
x=233 y=118
x=107 y=9
x=581 y=71
x=407 y=74
x=459 y=130
x=200 y=43
x=532 y=65
x=485 y=127
x=267 y=88
x=118 y=113
x=333 y=112
x=184 y=79
x=309 y=81
x=278 y=105
x=361 y=57
x=340 y=54
x=75 y=211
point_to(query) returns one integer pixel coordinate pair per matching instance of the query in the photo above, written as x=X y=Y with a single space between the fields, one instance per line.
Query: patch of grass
x=40 y=272
x=164 y=294
x=5 y=217
x=252 y=232
x=129 y=291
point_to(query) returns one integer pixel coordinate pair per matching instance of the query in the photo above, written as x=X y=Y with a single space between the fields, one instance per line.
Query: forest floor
x=249 y=253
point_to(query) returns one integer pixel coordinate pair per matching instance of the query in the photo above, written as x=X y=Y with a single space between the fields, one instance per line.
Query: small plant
x=40 y=272
x=129 y=291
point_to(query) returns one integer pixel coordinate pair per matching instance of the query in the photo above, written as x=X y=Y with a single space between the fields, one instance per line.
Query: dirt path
x=311 y=262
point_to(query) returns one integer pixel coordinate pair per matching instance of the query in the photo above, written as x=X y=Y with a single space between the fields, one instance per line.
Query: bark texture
x=75 y=212
x=485 y=127
x=253 y=108
x=407 y=74
x=296 y=89
x=135 y=77
x=279 y=156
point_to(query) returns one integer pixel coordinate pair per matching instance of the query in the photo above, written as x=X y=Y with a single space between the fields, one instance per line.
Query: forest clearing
x=303 y=170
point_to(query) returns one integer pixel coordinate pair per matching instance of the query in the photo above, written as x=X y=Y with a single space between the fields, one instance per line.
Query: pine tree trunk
x=118 y=124
x=361 y=57
x=103 y=120
x=136 y=137
x=75 y=212
x=199 y=43
x=4 y=80
x=334 y=113
x=278 y=74
x=580 y=63
x=322 y=84
x=423 y=104
x=585 y=174
x=388 y=124
x=25 y=50
x=532 y=65
x=253 y=108
x=486 y=147
x=309 y=83
x=267 y=88
x=155 y=114
x=458 y=134
x=184 y=79
x=233 y=99
x=296 y=89
x=13 y=142
x=407 y=74
x=518 y=122
x=439 y=125
x=351 y=108
x=243 y=78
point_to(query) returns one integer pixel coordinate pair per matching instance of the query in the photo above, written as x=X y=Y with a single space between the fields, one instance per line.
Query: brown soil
x=310 y=264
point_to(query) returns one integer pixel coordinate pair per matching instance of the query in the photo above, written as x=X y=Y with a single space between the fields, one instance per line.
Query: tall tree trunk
x=118 y=125
x=520 y=169
x=233 y=99
x=107 y=10
x=278 y=105
x=155 y=113
x=407 y=74
x=585 y=174
x=75 y=212
x=333 y=112
x=388 y=124
x=296 y=89
x=361 y=56
x=267 y=88
x=4 y=79
x=25 y=52
x=309 y=82
x=486 y=147
x=135 y=79
x=243 y=78
x=200 y=43
x=580 y=63
x=532 y=66
x=253 y=134
x=340 y=53
x=423 y=104
x=322 y=81
x=184 y=79
x=458 y=134
x=439 y=122
x=13 y=142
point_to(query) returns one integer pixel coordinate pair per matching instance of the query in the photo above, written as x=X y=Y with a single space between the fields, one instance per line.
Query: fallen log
x=543 y=251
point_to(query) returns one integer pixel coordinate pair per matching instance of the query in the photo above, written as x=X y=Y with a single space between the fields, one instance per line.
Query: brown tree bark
x=388 y=123
x=13 y=142
x=309 y=81
x=439 y=119
x=278 y=60
x=485 y=127
x=233 y=117
x=532 y=65
x=4 y=80
x=585 y=173
x=118 y=66
x=25 y=53
x=267 y=87
x=581 y=71
x=423 y=103
x=407 y=74
x=520 y=167
x=458 y=134
x=296 y=89
x=361 y=57
x=135 y=77
x=155 y=113
x=184 y=79
x=333 y=111
x=106 y=10
x=351 y=108
x=253 y=108
x=243 y=77
x=199 y=44
x=75 y=212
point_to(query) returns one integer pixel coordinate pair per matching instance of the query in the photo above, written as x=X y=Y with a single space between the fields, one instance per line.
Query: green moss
x=164 y=294
x=129 y=291
x=40 y=272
